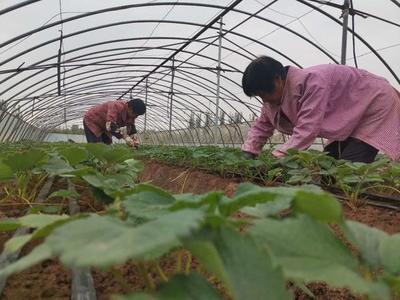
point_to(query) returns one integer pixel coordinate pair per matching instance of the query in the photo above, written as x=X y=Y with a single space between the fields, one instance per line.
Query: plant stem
x=188 y=263
x=145 y=275
x=179 y=262
x=161 y=272
x=121 y=280
x=35 y=188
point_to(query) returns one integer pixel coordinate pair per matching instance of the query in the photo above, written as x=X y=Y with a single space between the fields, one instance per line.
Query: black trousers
x=92 y=138
x=352 y=149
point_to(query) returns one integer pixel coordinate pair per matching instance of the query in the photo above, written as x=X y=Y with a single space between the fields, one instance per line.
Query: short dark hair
x=260 y=74
x=137 y=105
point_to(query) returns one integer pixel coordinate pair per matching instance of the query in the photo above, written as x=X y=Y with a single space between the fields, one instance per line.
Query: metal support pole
x=345 y=14
x=171 y=95
x=33 y=104
x=59 y=64
x=218 y=82
x=145 y=101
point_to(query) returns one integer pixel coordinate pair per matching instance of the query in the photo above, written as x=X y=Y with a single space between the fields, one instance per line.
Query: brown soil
x=384 y=219
x=49 y=280
x=185 y=180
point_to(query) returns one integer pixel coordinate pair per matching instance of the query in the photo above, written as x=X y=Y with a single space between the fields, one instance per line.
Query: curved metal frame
x=103 y=79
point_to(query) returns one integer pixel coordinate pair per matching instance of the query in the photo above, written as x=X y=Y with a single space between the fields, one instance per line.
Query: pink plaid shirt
x=111 y=111
x=333 y=102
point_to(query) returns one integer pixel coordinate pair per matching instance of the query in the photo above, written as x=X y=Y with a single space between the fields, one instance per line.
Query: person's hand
x=278 y=154
x=132 y=142
x=248 y=155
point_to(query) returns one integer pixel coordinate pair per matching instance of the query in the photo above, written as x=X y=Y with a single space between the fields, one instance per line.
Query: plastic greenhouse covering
x=183 y=58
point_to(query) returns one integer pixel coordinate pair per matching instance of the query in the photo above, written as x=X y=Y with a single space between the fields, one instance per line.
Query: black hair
x=260 y=74
x=137 y=105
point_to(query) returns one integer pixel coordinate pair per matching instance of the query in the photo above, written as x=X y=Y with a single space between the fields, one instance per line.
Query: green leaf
x=44 y=225
x=17 y=242
x=74 y=155
x=47 y=209
x=20 y=162
x=114 y=242
x=335 y=275
x=39 y=221
x=134 y=165
x=262 y=210
x=389 y=252
x=111 y=184
x=9 y=224
x=320 y=206
x=44 y=231
x=5 y=172
x=181 y=287
x=37 y=255
x=212 y=199
x=351 y=179
x=100 y=196
x=71 y=194
x=96 y=149
x=246 y=270
x=147 y=202
x=57 y=166
x=309 y=251
x=367 y=240
x=394 y=283
x=109 y=153
x=247 y=194
x=117 y=154
x=302 y=237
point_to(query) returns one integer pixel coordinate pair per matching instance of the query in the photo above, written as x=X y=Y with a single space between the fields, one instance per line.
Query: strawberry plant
x=24 y=168
x=150 y=223
x=355 y=178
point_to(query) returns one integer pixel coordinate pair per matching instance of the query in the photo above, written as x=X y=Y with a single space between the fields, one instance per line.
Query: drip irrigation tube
x=82 y=280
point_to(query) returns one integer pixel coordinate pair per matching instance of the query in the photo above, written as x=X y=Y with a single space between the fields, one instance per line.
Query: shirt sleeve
x=309 y=118
x=259 y=133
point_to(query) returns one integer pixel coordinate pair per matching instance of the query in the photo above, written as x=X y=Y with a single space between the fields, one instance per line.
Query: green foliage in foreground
x=253 y=257
x=149 y=223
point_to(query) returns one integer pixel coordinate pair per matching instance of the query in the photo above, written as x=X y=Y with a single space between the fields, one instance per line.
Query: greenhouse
x=232 y=149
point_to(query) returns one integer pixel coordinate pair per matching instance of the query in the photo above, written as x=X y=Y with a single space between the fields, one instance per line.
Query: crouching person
x=106 y=120
x=357 y=111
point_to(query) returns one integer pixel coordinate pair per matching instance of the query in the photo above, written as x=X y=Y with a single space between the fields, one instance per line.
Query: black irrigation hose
x=7 y=258
x=370 y=198
x=82 y=281
x=379 y=204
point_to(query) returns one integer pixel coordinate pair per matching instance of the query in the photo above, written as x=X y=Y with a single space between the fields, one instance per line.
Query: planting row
x=253 y=256
x=298 y=167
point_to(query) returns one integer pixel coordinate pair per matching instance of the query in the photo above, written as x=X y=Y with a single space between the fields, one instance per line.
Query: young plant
x=25 y=170
x=356 y=178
